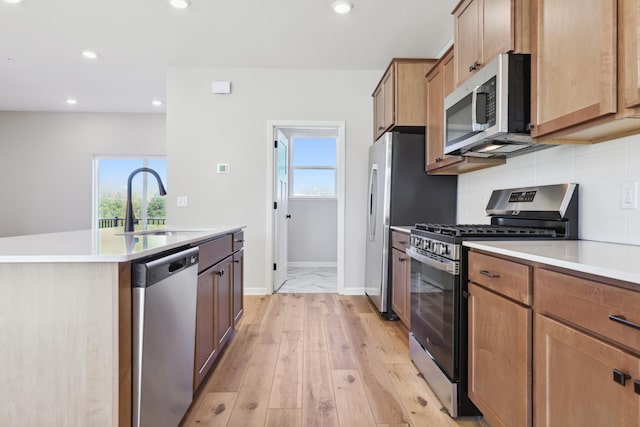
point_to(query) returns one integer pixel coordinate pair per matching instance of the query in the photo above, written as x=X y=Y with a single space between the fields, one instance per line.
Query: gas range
x=438 y=338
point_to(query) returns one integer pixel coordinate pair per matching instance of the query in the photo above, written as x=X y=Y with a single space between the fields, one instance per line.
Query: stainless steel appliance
x=400 y=193
x=489 y=114
x=164 y=325
x=438 y=337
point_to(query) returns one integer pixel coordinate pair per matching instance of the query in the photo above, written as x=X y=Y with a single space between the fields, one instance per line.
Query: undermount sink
x=161 y=232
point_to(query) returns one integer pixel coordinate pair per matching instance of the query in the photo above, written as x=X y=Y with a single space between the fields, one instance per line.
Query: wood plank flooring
x=317 y=360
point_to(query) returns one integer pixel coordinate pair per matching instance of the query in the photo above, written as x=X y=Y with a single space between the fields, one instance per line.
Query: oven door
x=434 y=296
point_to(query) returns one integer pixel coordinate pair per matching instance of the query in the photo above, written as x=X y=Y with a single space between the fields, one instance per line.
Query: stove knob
x=444 y=249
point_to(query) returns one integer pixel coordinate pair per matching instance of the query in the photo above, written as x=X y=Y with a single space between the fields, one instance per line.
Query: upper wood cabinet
x=486 y=28
x=439 y=84
x=585 y=71
x=398 y=99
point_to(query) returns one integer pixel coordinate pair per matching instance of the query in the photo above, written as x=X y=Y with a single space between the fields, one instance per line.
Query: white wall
x=46 y=164
x=600 y=169
x=313 y=231
x=204 y=129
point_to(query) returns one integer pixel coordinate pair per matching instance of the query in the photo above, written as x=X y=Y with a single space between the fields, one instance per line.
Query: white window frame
x=95 y=197
x=292 y=168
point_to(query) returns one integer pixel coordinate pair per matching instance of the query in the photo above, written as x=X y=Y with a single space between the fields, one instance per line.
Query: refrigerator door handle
x=373 y=196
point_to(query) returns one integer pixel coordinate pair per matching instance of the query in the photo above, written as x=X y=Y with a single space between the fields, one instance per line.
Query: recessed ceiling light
x=180 y=4
x=13 y=1
x=156 y=103
x=71 y=101
x=89 y=54
x=342 y=6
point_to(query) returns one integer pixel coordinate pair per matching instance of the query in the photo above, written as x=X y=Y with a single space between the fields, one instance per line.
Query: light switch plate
x=629 y=195
x=182 y=201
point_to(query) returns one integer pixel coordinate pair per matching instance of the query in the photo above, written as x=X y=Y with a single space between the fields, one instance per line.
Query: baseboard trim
x=312 y=264
x=255 y=291
x=352 y=291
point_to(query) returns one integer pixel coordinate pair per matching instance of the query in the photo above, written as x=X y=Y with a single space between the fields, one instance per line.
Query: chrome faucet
x=129 y=217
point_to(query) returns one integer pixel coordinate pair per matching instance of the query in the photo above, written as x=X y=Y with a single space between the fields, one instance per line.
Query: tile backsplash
x=600 y=169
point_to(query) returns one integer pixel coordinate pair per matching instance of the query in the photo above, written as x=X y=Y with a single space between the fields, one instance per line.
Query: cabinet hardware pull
x=220 y=273
x=239 y=241
x=621 y=319
x=439 y=159
x=380 y=127
x=636 y=386
x=237 y=261
x=401 y=259
x=620 y=377
x=471 y=68
x=402 y=242
x=490 y=275
x=288 y=216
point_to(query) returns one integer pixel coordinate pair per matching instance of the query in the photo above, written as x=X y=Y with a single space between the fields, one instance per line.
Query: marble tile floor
x=310 y=280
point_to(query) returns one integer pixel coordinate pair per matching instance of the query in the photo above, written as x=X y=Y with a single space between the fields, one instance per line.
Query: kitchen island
x=65 y=321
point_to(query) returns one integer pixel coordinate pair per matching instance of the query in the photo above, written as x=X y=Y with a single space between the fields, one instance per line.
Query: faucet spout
x=129 y=217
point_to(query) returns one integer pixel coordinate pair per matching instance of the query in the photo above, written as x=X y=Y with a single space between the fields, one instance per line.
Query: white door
x=281 y=206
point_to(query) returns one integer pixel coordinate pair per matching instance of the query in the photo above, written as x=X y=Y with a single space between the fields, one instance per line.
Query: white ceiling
x=41 y=43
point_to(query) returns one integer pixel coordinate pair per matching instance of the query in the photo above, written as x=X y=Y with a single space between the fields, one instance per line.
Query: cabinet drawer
x=214 y=250
x=399 y=240
x=588 y=304
x=508 y=278
x=238 y=240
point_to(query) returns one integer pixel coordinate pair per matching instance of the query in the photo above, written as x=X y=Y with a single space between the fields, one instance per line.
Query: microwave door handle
x=474 y=102
x=479 y=109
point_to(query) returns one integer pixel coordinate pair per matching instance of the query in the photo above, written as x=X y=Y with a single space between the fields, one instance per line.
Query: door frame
x=272 y=126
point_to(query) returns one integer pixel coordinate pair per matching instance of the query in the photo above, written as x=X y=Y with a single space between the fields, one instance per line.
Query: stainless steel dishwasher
x=164 y=325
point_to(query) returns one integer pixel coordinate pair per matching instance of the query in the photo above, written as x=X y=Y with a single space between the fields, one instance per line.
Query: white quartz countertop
x=617 y=261
x=102 y=245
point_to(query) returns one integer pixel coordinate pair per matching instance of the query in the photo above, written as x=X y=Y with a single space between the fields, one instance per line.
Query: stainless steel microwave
x=489 y=114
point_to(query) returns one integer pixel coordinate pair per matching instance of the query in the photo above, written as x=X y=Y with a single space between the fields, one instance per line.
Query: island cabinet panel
x=219 y=304
x=223 y=285
x=238 y=288
x=582 y=381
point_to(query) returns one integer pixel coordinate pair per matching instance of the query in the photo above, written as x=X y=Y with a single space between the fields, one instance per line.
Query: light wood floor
x=317 y=360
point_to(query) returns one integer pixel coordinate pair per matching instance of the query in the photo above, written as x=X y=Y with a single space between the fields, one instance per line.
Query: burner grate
x=479 y=230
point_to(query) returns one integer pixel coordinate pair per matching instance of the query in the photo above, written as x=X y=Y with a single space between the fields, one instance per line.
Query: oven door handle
x=449 y=266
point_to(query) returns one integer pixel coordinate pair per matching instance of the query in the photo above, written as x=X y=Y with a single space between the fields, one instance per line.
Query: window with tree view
x=313 y=167
x=111 y=192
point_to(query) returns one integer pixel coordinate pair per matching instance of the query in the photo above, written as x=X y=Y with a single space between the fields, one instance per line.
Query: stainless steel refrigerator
x=400 y=193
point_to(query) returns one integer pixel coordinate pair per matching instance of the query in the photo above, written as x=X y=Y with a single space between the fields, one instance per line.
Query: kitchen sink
x=161 y=232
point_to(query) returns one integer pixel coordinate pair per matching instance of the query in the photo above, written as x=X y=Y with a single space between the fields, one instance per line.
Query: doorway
x=306 y=203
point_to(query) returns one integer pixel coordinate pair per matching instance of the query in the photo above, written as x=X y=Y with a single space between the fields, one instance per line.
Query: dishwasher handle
x=147 y=273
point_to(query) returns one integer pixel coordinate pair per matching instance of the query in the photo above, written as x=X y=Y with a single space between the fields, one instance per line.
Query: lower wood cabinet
x=400 y=277
x=500 y=356
x=238 y=280
x=582 y=381
x=219 y=301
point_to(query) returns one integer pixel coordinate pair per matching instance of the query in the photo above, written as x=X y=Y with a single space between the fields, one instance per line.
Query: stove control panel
x=444 y=249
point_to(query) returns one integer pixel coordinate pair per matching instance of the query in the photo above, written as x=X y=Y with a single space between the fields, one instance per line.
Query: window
x=313 y=167
x=110 y=192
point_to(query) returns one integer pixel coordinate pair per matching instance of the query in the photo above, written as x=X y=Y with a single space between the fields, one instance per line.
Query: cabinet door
x=500 y=357
x=205 y=327
x=378 y=112
x=467 y=40
x=448 y=65
x=223 y=288
x=630 y=19
x=573 y=62
x=238 y=284
x=435 y=117
x=574 y=379
x=498 y=24
x=389 y=95
x=399 y=283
